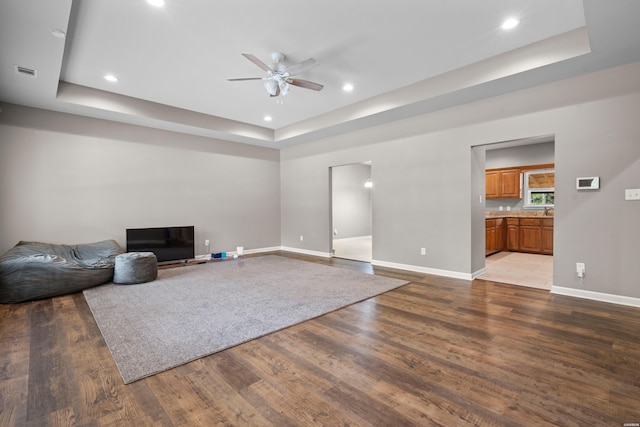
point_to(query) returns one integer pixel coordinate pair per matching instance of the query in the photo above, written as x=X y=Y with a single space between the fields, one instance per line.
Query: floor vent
x=26 y=71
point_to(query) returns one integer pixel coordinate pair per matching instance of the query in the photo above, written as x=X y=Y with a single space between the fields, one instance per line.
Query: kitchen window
x=539 y=188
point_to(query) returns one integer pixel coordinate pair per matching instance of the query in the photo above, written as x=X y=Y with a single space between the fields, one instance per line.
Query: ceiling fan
x=279 y=76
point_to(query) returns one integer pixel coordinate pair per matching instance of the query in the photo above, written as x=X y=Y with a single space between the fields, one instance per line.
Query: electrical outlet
x=580 y=269
x=632 y=194
x=301 y=238
x=423 y=251
x=206 y=242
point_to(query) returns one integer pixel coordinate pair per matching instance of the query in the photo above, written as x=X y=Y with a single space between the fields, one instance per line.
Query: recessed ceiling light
x=58 y=33
x=510 y=23
x=348 y=87
x=267 y=118
x=156 y=3
x=110 y=78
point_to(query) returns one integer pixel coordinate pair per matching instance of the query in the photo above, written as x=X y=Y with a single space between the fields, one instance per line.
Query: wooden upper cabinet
x=510 y=180
x=492 y=184
x=502 y=183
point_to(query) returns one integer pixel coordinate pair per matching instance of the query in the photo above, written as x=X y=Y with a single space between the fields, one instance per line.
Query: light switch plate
x=632 y=194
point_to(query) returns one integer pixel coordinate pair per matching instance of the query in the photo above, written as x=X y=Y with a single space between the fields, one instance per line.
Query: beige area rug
x=191 y=312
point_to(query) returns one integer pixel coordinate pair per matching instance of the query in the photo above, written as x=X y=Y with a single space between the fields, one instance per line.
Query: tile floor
x=532 y=270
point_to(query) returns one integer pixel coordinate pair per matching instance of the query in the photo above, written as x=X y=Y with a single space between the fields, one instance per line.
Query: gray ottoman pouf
x=135 y=267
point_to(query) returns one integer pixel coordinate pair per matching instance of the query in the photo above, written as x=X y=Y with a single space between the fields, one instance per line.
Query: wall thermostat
x=588 y=183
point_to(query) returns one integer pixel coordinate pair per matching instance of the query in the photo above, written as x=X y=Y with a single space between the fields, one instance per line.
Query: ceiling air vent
x=26 y=71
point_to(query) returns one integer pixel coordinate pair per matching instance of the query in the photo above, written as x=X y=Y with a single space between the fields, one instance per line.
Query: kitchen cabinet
x=502 y=183
x=513 y=234
x=547 y=236
x=531 y=235
x=490 y=236
x=494 y=232
x=500 y=234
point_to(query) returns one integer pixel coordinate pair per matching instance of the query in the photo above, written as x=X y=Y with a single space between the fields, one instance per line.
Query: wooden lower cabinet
x=547 y=236
x=534 y=235
x=494 y=235
x=513 y=234
x=500 y=243
x=490 y=236
x=531 y=235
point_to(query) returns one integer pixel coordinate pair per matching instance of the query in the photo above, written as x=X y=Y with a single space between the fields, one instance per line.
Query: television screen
x=168 y=243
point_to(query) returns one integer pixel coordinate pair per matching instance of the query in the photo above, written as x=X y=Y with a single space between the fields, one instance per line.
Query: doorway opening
x=351 y=212
x=519 y=231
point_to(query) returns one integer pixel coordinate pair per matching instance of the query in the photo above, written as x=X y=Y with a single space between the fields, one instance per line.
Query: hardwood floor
x=437 y=351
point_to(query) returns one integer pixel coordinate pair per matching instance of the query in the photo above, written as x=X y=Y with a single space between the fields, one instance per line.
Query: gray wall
x=67 y=179
x=351 y=201
x=72 y=179
x=525 y=155
x=425 y=193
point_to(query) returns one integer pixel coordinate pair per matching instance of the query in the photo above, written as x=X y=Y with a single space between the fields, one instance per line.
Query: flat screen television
x=170 y=244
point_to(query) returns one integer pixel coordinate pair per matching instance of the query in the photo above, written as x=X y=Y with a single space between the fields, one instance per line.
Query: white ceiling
x=404 y=58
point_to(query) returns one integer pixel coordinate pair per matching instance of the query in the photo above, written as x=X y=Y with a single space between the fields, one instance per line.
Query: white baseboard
x=426 y=270
x=347 y=239
x=478 y=273
x=260 y=250
x=597 y=296
x=305 y=251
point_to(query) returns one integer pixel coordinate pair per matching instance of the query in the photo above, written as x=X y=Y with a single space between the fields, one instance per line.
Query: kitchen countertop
x=518 y=214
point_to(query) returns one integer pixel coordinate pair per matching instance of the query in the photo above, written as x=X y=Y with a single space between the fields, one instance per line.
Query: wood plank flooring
x=437 y=351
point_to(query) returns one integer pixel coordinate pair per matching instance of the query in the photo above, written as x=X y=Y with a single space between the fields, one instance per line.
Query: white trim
x=258 y=251
x=346 y=239
x=305 y=252
x=426 y=270
x=597 y=296
x=478 y=273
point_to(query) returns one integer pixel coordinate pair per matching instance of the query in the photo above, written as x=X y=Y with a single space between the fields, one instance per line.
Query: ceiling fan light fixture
x=271 y=86
x=284 y=88
x=280 y=77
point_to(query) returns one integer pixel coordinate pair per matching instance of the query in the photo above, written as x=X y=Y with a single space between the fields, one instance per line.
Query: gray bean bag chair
x=34 y=270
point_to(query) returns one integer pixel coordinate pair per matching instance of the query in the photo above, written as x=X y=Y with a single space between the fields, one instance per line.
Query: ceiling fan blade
x=301 y=67
x=256 y=61
x=305 y=84
x=244 y=78
x=277 y=92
